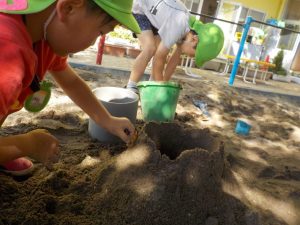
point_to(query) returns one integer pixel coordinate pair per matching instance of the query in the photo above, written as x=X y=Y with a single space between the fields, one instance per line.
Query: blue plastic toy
x=242 y=127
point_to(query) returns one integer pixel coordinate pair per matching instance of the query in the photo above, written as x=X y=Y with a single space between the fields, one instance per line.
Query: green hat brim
x=125 y=18
x=210 y=42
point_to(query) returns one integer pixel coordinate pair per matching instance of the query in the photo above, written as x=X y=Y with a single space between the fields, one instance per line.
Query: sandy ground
x=193 y=171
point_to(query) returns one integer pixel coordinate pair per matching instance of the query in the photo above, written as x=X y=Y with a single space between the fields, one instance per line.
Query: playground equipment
x=246 y=27
x=187 y=63
x=261 y=66
x=100 y=49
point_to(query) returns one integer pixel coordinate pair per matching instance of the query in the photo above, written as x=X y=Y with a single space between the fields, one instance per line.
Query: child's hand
x=121 y=127
x=40 y=145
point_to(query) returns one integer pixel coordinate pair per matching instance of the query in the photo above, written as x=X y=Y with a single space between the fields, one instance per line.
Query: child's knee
x=149 y=51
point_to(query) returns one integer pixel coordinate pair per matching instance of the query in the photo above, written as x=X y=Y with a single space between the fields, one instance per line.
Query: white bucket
x=120 y=102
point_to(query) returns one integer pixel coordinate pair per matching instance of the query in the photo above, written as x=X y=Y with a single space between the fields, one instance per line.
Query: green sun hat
x=211 y=40
x=118 y=9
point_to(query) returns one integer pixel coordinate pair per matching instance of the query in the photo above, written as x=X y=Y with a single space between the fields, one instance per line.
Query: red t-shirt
x=19 y=62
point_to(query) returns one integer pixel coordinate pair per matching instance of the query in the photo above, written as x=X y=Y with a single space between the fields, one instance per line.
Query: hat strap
x=48 y=21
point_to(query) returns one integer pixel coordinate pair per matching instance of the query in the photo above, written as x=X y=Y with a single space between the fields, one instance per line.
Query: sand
x=195 y=170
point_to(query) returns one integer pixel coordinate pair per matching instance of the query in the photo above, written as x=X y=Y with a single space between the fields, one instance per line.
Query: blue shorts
x=145 y=23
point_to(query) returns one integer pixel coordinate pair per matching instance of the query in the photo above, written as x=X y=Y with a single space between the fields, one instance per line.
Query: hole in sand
x=171 y=139
x=22 y=178
x=51 y=205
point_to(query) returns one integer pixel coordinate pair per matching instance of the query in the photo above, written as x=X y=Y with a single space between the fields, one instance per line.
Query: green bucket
x=158 y=100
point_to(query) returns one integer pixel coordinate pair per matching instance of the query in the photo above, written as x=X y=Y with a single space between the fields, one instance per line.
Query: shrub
x=278 y=69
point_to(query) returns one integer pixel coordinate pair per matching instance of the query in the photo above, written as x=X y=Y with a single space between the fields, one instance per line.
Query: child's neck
x=35 y=23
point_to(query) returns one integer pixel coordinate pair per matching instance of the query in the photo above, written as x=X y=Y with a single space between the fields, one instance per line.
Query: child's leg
x=147 y=42
x=157 y=42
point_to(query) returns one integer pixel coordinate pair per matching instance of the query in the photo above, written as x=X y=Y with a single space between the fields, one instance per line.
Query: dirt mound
x=172 y=175
x=177 y=173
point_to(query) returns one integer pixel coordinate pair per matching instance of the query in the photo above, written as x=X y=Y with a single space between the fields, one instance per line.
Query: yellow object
x=238 y=36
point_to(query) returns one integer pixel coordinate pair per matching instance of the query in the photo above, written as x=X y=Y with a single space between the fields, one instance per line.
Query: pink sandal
x=17 y=167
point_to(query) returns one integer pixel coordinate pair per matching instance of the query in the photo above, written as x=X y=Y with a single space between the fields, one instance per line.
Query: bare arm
x=159 y=62
x=82 y=95
x=10 y=152
x=172 y=64
x=38 y=144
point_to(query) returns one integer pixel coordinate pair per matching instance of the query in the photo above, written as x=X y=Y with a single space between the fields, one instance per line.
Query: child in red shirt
x=36 y=37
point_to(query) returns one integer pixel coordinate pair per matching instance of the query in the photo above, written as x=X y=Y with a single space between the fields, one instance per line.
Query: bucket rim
x=159 y=84
x=134 y=100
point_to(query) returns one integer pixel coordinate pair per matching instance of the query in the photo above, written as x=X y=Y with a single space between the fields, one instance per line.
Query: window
x=292 y=10
x=291 y=18
x=256 y=15
x=228 y=12
x=287 y=38
x=192 y=5
x=207 y=7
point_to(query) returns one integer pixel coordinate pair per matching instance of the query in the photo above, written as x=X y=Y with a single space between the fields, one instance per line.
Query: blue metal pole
x=240 y=51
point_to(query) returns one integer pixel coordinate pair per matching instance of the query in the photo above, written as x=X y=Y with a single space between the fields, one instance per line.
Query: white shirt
x=170 y=17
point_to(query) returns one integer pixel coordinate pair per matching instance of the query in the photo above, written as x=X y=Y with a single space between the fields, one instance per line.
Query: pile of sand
x=193 y=171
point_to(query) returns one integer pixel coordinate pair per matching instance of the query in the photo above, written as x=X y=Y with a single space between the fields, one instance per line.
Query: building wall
x=273 y=8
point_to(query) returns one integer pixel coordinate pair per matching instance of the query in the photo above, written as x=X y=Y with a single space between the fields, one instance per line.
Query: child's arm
x=10 y=152
x=38 y=144
x=159 y=62
x=81 y=94
x=172 y=64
